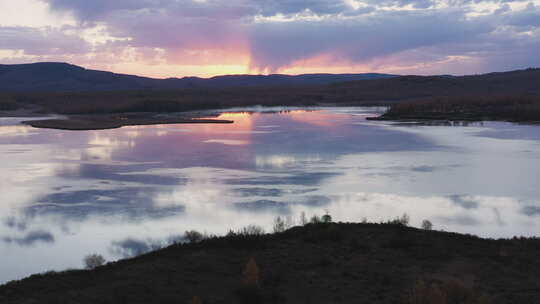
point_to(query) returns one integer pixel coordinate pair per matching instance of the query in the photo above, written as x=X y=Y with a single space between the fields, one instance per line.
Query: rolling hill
x=64 y=77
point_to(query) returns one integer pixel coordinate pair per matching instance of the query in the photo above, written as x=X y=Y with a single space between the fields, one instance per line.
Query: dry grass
x=447 y=292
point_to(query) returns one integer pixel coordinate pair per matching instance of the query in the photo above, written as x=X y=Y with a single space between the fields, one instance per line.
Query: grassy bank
x=315 y=263
x=472 y=108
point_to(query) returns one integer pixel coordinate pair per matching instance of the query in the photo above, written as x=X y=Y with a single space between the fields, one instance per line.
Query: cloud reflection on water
x=94 y=191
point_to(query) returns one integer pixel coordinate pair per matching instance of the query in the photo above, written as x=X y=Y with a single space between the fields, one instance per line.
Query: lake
x=122 y=192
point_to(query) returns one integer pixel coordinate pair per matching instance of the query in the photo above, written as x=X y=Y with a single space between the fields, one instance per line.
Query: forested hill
x=63 y=77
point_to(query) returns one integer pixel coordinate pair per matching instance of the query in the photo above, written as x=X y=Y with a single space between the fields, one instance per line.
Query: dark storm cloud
x=360 y=39
x=531 y=210
x=402 y=3
x=41 y=41
x=96 y=9
x=530 y=17
x=131 y=247
x=85 y=9
x=31 y=238
x=133 y=204
x=13 y=223
x=273 y=7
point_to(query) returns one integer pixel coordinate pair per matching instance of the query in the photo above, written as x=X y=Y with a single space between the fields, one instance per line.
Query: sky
x=176 y=38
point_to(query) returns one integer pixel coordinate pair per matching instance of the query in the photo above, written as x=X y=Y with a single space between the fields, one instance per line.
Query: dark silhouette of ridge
x=521 y=82
x=64 y=77
x=316 y=263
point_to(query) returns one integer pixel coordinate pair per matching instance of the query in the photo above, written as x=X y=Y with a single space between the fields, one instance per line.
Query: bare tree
x=303 y=219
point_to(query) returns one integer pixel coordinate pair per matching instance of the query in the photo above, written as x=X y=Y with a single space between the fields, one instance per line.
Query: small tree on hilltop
x=193 y=236
x=327 y=218
x=92 y=261
x=251 y=230
x=427 y=225
x=315 y=219
x=405 y=219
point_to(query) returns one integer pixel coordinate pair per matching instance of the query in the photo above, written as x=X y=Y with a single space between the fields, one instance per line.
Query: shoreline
x=448 y=118
x=107 y=121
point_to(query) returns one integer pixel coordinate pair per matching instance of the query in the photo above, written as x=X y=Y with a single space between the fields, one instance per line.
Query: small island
x=102 y=122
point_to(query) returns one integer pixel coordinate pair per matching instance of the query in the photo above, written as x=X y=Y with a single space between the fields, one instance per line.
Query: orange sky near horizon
x=242 y=66
x=238 y=62
x=170 y=38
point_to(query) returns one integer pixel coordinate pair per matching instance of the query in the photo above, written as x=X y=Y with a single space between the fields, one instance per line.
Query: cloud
x=42 y=41
x=13 y=223
x=400 y=35
x=464 y=201
x=87 y=10
x=529 y=17
x=132 y=247
x=31 y=238
x=274 y=45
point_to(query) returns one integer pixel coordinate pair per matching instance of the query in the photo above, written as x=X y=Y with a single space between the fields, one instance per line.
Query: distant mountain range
x=68 y=89
x=64 y=77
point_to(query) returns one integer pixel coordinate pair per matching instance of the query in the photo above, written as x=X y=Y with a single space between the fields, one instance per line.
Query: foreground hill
x=317 y=263
x=63 y=77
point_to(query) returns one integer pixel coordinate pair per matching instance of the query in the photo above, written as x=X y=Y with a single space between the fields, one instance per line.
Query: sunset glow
x=169 y=38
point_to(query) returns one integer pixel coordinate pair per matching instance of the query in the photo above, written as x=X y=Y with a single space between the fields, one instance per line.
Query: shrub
x=315 y=219
x=427 y=225
x=251 y=236
x=403 y=220
x=251 y=273
x=193 y=236
x=92 y=261
x=327 y=218
x=251 y=230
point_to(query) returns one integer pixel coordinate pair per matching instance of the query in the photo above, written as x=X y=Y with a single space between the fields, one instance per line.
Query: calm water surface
x=122 y=192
